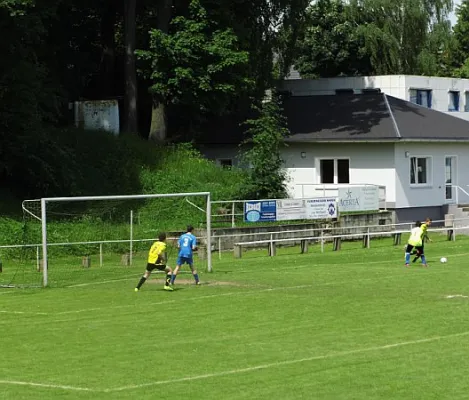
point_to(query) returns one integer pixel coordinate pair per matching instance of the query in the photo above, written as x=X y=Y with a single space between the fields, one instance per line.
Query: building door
x=450 y=179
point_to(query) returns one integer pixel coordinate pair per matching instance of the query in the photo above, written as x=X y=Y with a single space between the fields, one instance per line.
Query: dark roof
x=368 y=117
x=417 y=122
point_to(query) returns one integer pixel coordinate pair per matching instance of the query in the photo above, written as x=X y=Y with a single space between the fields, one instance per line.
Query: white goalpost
x=169 y=209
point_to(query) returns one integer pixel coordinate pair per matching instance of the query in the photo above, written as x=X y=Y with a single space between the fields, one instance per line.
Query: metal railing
x=323 y=238
x=457 y=197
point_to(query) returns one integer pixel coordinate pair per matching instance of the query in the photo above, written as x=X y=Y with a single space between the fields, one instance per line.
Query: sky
x=453 y=15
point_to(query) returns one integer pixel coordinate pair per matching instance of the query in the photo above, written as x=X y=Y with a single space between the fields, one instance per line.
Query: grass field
x=353 y=324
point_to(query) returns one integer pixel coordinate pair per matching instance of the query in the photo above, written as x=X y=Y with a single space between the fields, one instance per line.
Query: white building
x=450 y=95
x=419 y=156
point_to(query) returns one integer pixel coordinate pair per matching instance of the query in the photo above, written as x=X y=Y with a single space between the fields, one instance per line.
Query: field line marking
x=101 y=282
x=286 y=362
x=233 y=371
x=242 y=270
x=209 y=296
x=364 y=263
x=47 y=385
x=23 y=312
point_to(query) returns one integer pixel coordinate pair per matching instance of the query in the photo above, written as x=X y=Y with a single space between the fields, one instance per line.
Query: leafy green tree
x=197 y=64
x=265 y=139
x=331 y=45
x=397 y=31
x=460 y=54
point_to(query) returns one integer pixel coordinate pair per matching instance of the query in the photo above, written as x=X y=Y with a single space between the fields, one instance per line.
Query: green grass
x=353 y=324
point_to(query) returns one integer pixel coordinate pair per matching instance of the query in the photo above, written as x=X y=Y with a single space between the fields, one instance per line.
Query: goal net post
x=110 y=232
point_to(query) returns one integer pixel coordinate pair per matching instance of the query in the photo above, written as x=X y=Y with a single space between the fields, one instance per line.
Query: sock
x=417 y=255
x=407 y=258
x=424 y=260
x=141 y=282
x=173 y=278
x=168 y=279
x=196 y=277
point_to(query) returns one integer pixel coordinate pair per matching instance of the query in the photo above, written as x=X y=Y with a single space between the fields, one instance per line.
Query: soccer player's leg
x=422 y=256
x=194 y=271
x=176 y=270
x=169 y=273
x=408 y=250
x=150 y=267
x=418 y=253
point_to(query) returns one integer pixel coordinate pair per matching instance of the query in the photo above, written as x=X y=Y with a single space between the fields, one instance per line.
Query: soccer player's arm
x=425 y=234
x=194 y=244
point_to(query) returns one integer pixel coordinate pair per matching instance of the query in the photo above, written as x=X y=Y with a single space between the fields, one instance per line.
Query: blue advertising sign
x=260 y=211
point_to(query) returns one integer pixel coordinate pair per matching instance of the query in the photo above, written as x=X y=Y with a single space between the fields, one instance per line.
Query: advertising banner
x=359 y=198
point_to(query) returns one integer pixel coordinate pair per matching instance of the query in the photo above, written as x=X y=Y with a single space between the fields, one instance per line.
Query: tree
x=265 y=138
x=197 y=64
x=130 y=98
x=331 y=45
x=460 y=55
x=397 y=31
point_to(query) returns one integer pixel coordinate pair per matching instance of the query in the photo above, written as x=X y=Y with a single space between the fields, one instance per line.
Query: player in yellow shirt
x=157 y=260
x=425 y=237
x=415 y=242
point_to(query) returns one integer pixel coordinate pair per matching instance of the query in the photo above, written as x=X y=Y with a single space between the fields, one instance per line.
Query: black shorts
x=418 y=248
x=159 y=267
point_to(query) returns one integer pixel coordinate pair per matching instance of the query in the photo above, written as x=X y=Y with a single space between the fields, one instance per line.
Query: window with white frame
x=422 y=97
x=453 y=104
x=420 y=170
x=466 y=101
x=335 y=170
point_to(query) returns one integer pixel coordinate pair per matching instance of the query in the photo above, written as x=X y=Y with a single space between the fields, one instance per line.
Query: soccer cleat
x=407 y=265
x=169 y=288
x=136 y=289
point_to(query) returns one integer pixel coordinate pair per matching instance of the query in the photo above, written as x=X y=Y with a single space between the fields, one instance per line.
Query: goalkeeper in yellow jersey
x=157 y=260
x=415 y=242
x=425 y=237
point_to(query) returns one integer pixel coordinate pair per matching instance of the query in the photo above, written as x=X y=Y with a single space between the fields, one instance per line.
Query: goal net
x=86 y=240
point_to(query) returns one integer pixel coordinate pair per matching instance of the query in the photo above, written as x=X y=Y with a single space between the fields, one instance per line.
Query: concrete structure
x=449 y=95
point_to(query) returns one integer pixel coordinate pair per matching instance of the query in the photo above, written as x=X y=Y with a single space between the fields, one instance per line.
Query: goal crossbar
x=46 y=200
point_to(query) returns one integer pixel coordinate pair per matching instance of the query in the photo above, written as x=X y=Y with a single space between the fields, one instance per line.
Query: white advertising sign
x=288 y=210
x=98 y=115
x=359 y=198
x=321 y=208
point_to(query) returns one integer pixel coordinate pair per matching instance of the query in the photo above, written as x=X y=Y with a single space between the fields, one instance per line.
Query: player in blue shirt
x=187 y=244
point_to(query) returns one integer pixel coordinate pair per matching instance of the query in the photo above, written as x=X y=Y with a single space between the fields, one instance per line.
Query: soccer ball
x=443 y=259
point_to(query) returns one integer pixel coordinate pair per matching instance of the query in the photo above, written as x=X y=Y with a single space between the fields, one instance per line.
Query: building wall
x=369 y=164
x=394 y=85
x=432 y=194
x=440 y=89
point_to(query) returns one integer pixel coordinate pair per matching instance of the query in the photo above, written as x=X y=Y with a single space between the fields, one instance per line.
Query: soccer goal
x=91 y=239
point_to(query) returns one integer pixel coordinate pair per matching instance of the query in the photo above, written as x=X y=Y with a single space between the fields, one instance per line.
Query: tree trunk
x=130 y=98
x=108 y=21
x=158 y=129
x=158 y=122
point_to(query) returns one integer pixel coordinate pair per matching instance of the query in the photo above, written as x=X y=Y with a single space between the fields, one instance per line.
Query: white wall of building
x=393 y=85
x=369 y=164
x=432 y=194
